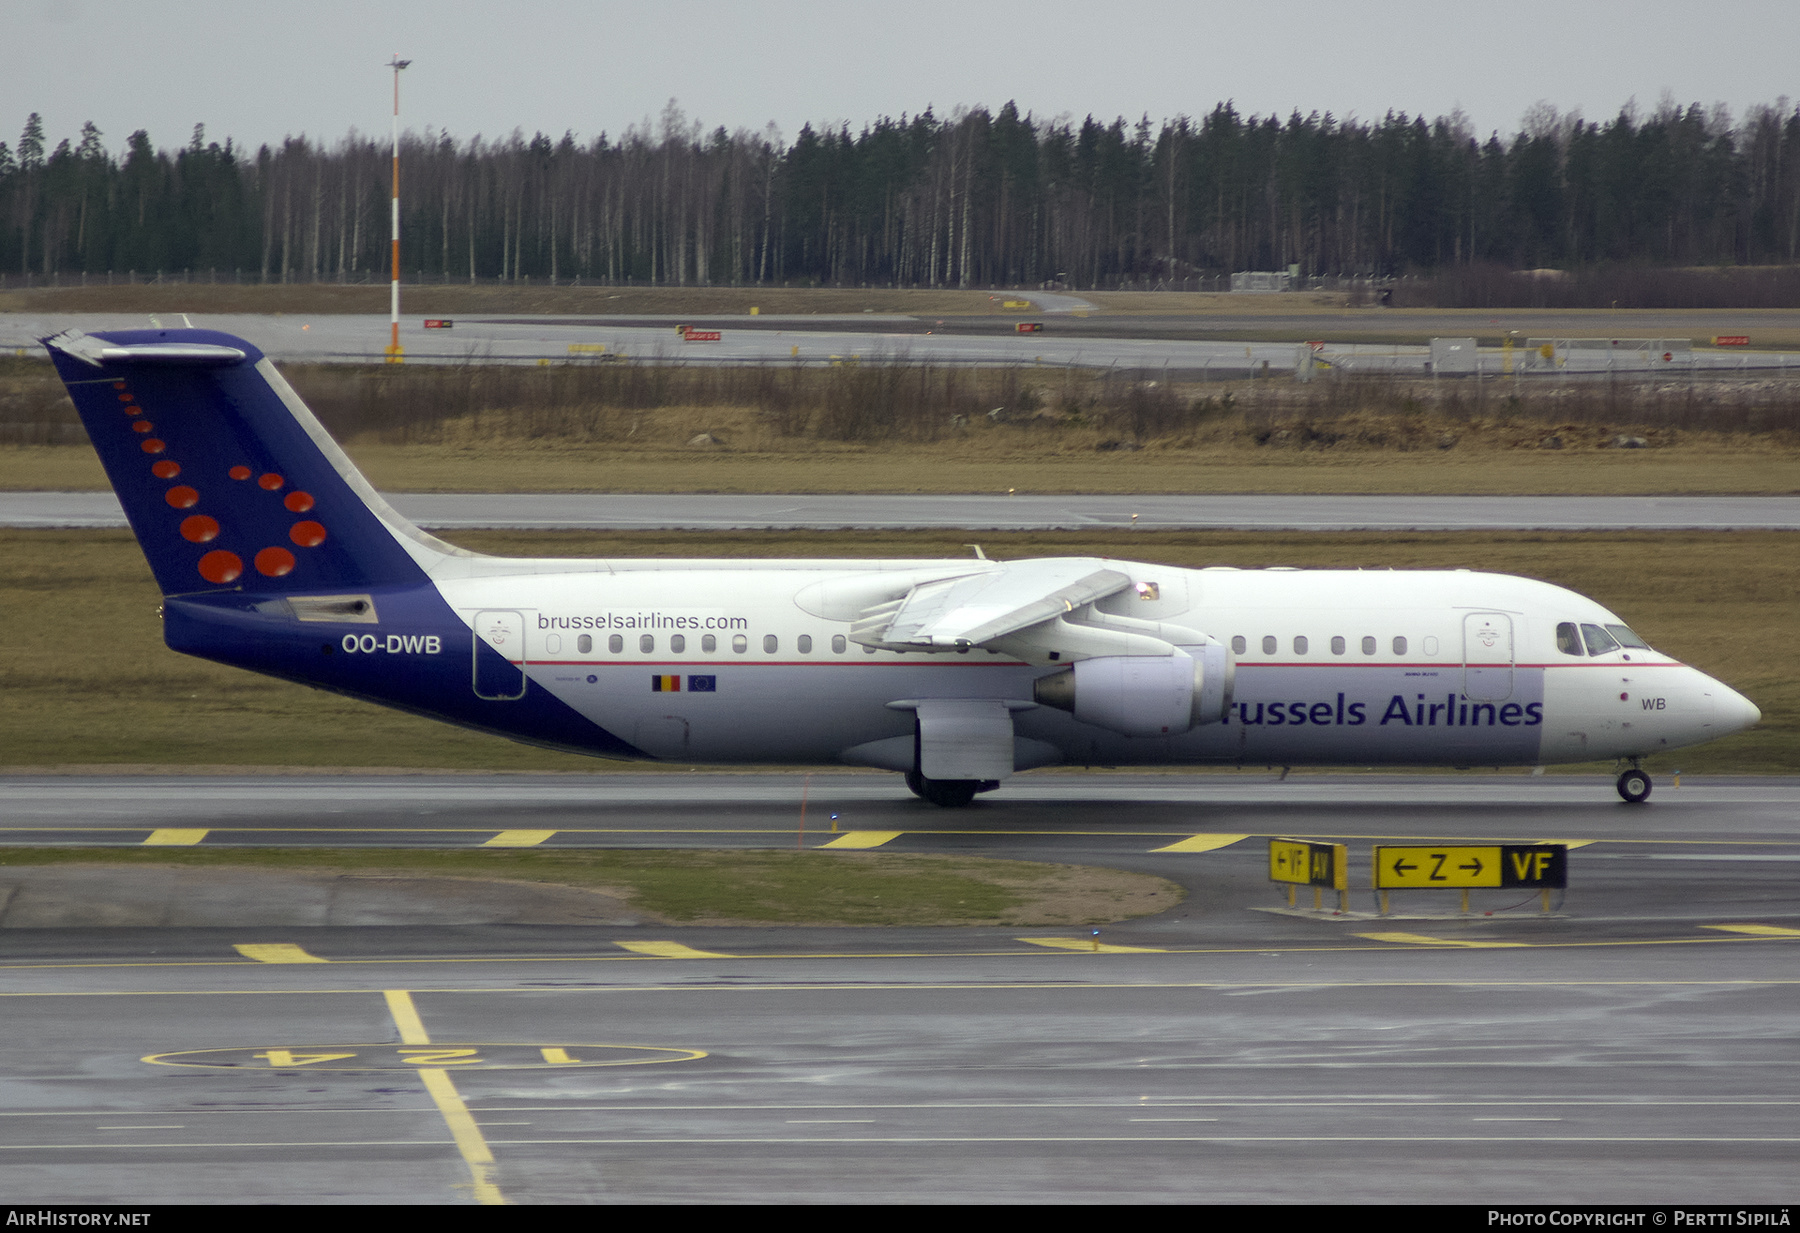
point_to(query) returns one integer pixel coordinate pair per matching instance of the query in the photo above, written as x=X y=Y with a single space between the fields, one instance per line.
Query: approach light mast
x=393 y=347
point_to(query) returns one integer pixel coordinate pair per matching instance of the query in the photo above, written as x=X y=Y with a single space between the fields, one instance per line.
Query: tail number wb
x=393 y=644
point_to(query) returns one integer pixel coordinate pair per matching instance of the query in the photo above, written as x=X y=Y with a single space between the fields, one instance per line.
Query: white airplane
x=273 y=553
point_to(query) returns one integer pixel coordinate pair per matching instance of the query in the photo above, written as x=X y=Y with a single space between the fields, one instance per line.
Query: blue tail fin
x=225 y=476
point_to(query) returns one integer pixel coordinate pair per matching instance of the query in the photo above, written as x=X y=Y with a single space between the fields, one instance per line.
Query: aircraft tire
x=915 y=784
x=1634 y=786
x=949 y=793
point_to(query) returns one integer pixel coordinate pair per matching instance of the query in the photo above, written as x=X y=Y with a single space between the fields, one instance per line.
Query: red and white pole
x=393 y=348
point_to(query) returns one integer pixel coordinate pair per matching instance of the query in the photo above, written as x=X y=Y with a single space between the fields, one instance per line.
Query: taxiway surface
x=986 y=512
x=1634 y=1046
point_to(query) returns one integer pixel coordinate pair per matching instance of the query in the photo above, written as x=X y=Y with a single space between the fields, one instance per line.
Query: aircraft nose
x=1732 y=711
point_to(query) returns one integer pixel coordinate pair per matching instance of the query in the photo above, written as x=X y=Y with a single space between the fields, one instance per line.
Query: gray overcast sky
x=259 y=71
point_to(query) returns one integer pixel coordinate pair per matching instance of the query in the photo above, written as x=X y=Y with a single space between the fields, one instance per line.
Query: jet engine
x=1144 y=695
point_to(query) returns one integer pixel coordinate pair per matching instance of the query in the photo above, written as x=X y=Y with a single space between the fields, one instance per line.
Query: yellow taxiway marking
x=1420 y=939
x=475 y=1151
x=276 y=952
x=517 y=839
x=1761 y=931
x=174 y=837
x=406 y=1017
x=1570 y=843
x=1201 y=843
x=669 y=950
x=863 y=839
x=1088 y=944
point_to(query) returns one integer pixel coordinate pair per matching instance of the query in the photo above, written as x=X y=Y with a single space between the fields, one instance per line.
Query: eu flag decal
x=665 y=684
x=703 y=684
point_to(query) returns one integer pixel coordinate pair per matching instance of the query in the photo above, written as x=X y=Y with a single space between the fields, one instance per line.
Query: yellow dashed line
x=863 y=839
x=1419 y=939
x=669 y=950
x=1201 y=843
x=1570 y=843
x=1089 y=944
x=1761 y=931
x=174 y=837
x=517 y=839
x=276 y=952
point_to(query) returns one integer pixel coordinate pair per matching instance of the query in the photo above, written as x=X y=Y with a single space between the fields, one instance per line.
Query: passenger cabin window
x=708 y=644
x=677 y=643
x=1400 y=646
x=770 y=644
x=1238 y=644
x=1599 y=642
x=584 y=644
x=1268 y=644
x=1568 y=638
x=838 y=644
x=804 y=644
x=1337 y=646
x=739 y=644
x=616 y=644
x=646 y=643
x=1368 y=646
x=1299 y=644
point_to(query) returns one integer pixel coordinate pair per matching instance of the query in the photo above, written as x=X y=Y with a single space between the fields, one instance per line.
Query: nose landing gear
x=1634 y=784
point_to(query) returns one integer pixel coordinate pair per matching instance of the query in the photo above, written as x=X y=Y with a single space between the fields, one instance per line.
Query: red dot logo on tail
x=199 y=529
x=221 y=566
x=274 y=562
x=239 y=473
x=308 y=534
x=142 y=426
x=152 y=446
x=270 y=480
x=182 y=497
x=166 y=469
x=299 y=502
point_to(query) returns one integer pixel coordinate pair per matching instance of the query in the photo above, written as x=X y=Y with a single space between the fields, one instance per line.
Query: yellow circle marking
x=390 y=1057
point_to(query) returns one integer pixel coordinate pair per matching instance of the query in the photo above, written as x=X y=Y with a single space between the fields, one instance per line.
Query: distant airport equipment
x=1731 y=340
x=1262 y=280
x=1454 y=356
x=1030 y=327
x=1629 y=352
x=1015 y=304
x=438 y=323
x=1542 y=867
x=1298 y=862
x=692 y=335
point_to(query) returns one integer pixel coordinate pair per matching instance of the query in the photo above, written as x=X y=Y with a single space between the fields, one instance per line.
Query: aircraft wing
x=973 y=610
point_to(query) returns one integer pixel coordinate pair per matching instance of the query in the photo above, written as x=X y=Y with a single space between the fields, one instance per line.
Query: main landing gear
x=1634 y=784
x=946 y=793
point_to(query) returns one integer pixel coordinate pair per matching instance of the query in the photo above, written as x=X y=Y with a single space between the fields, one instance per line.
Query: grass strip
x=706 y=887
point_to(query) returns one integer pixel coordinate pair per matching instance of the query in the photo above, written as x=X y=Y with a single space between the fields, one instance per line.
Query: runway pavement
x=984 y=512
x=1633 y=1047
x=1191 y=348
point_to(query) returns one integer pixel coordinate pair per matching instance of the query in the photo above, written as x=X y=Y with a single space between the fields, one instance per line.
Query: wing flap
x=970 y=611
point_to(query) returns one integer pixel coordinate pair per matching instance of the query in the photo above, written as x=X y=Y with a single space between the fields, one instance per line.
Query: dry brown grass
x=451 y=299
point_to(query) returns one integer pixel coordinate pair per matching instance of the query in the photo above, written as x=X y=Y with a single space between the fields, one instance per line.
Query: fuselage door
x=499 y=655
x=1487 y=656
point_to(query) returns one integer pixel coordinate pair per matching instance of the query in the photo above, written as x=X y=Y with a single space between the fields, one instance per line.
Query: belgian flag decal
x=665 y=684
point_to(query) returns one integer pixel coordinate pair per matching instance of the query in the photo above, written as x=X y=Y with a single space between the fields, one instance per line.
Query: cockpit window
x=1568 y=639
x=1599 y=642
x=1626 y=638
